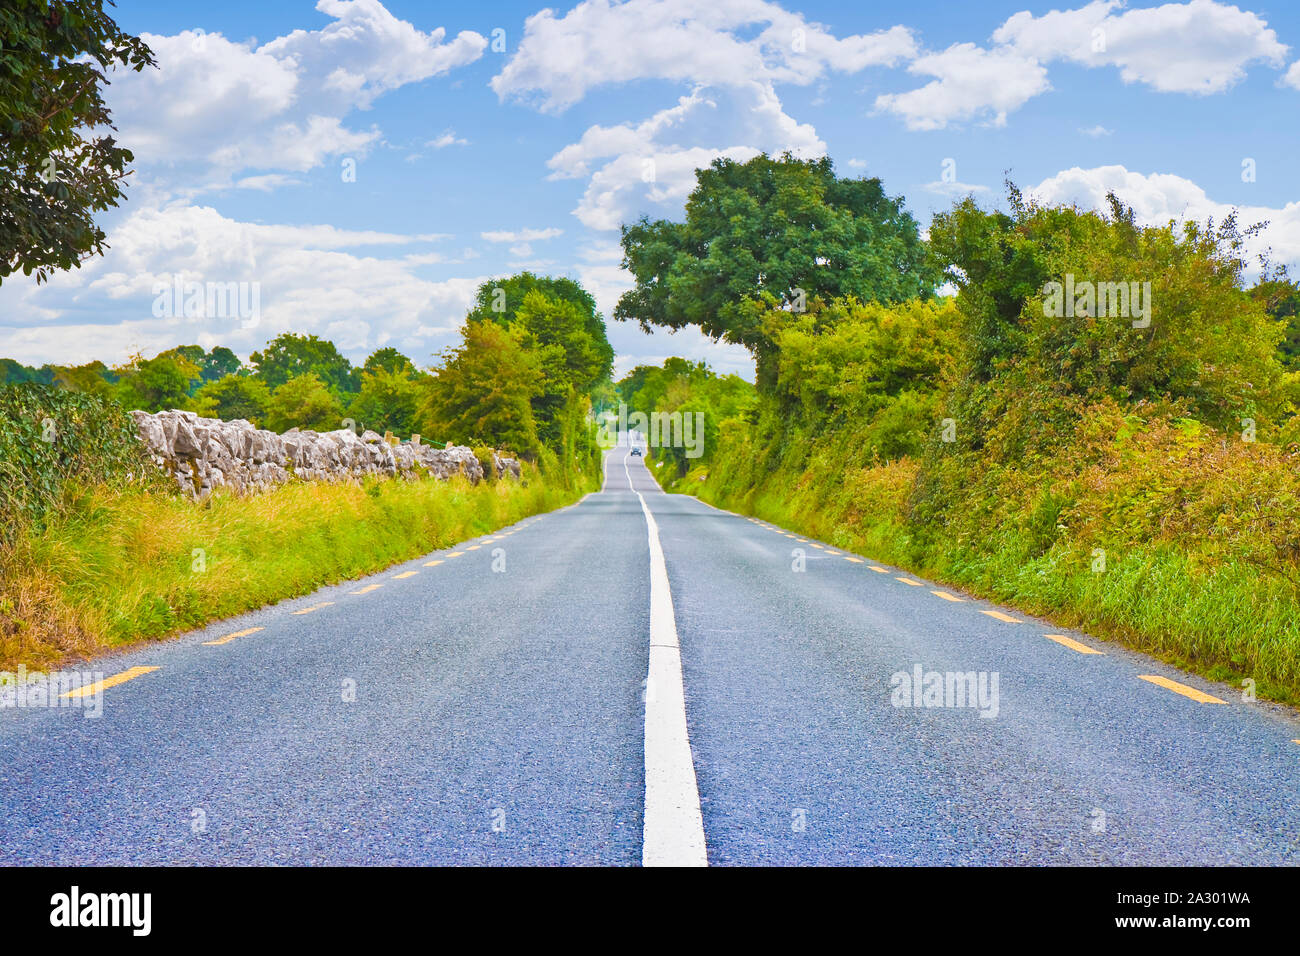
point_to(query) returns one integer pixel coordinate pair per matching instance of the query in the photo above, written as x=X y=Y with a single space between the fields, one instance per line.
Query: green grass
x=118 y=567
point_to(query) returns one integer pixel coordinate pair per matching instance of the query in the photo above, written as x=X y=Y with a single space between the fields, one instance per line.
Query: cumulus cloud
x=733 y=53
x=1200 y=47
x=635 y=166
x=562 y=58
x=216 y=107
x=970 y=83
x=313 y=278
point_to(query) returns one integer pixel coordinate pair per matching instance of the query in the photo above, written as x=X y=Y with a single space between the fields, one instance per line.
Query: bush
x=49 y=437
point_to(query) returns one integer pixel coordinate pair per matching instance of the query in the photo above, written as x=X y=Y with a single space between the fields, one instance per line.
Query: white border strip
x=673 y=833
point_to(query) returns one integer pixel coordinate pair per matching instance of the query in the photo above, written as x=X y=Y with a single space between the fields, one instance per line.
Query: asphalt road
x=493 y=708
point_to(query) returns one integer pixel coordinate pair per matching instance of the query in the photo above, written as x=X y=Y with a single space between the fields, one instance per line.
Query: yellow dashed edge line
x=314 y=607
x=474 y=547
x=1177 y=688
x=367 y=589
x=1072 y=644
x=107 y=682
x=432 y=564
x=405 y=574
x=454 y=554
x=948 y=597
x=230 y=637
x=1002 y=617
x=849 y=557
x=915 y=584
x=878 y=570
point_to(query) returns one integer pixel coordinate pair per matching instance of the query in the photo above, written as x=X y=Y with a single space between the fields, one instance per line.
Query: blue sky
x=493 y=137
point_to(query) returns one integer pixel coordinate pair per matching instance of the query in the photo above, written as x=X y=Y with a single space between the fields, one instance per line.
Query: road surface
x=582 y=689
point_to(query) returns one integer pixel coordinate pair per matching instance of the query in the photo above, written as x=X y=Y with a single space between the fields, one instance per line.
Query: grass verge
x=116 y=567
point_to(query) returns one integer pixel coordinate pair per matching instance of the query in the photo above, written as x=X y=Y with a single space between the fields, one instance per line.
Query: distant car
x=636 y=451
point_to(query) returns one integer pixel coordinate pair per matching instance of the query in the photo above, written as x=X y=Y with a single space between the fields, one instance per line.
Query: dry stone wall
x=207 y=453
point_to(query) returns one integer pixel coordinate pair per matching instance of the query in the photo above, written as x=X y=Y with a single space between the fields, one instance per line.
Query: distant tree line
x=532 y=354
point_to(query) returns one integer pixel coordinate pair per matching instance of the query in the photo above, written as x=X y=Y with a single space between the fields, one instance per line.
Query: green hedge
x=49 y=436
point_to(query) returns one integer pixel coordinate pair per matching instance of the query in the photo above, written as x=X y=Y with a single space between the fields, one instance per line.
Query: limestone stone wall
x=207 y=453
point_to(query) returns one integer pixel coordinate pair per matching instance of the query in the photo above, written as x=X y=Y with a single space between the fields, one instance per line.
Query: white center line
x=673 y=833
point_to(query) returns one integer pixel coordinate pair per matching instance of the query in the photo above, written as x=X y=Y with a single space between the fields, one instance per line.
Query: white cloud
x=732 y=52
x=449 y=138
x=267 y=182
x=1096 y=132
x=367 y=51
x=1157 y=198
x=216 y=107
x=310 y=279
x=655 y=161
x=971 y=83
x=1198 y=47
x=561 y=59
x=1292 y=76
x=522 y=235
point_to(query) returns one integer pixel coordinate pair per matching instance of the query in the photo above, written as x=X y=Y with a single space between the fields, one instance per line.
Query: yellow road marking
x=314 y=607
x=1071 y=644
x=454 y=554
x=1003 y=617
x=365 y=590
x=230 y=637
x=92 y=689
x=878 y=570
x=474 y=547
x=947 y=597
x=849 y=557
x=915 y=584
x=1177 y=688
x=432 y=564
x=405 y=574
x=816 y=545
x=831 y=551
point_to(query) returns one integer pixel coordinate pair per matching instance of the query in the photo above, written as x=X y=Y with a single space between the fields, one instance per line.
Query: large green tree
x=162 y=382
x=304 y=402
x=55 y=174
x=288 y=356
x=389 y=360
x=770 y=232
x=213 y=365
x=387 y=400
x=500 y=300
x=483 y=392
x=232 y=397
